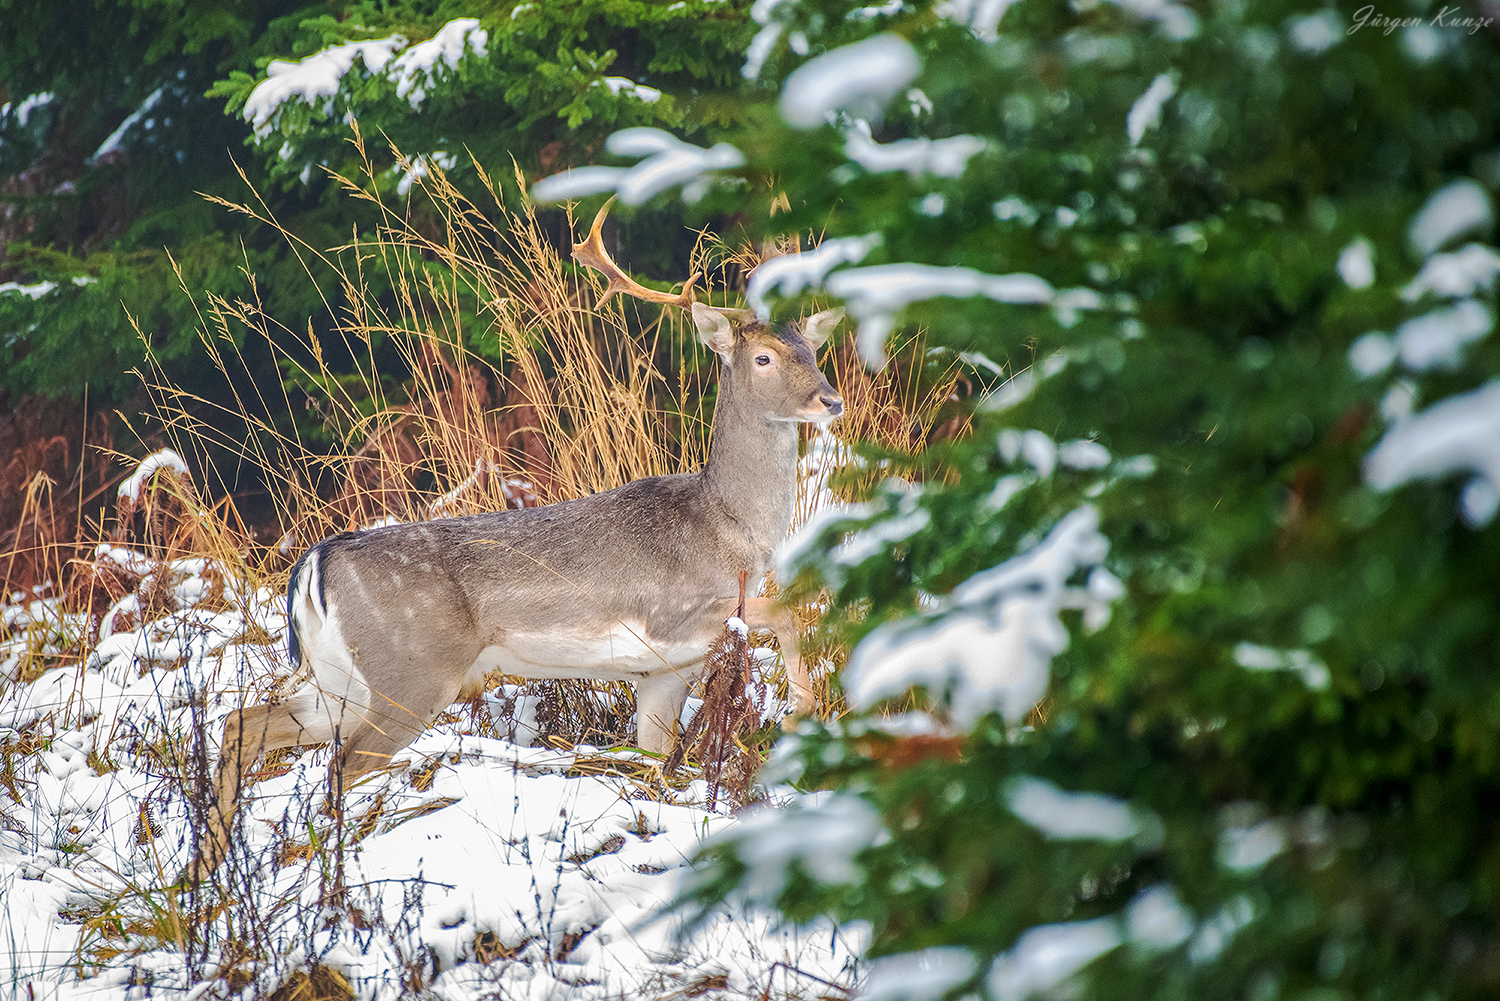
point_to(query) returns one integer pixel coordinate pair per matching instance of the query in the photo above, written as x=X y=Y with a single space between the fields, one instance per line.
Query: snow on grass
x=147 y=468
x=990 y=649
x=498 y=869
x=861 y=79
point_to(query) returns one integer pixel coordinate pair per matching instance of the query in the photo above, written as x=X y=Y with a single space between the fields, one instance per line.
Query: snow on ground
x=477 y=866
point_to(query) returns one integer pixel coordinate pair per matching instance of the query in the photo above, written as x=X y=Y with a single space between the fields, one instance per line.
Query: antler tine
x=591 y=252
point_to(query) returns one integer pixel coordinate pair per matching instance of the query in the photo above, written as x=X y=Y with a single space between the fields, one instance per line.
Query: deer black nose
x=833 y=403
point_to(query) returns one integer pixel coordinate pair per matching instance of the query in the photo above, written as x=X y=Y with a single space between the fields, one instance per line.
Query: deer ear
x=816 y=328
x=714 y=329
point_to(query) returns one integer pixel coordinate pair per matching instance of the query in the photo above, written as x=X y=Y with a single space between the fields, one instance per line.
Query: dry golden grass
x=511 y=388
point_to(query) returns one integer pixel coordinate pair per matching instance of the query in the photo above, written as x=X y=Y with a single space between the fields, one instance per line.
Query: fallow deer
x=391 y=625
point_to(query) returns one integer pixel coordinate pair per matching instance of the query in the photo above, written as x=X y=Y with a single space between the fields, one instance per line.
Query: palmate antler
x=591 y=252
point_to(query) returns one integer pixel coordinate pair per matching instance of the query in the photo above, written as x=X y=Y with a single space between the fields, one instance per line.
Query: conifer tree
x=1228 y=509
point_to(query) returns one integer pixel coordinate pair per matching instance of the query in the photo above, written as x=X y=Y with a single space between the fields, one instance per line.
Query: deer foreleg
x=768 y=613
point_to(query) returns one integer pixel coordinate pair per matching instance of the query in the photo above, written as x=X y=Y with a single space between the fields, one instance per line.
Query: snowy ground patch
x=472 y=867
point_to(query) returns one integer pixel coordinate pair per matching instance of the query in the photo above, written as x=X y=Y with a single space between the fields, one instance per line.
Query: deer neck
x=752 y=468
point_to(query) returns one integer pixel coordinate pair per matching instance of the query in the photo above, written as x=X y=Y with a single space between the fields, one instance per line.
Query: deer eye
x=762 y=360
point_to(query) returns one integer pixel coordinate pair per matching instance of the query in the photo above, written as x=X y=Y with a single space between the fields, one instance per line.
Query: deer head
x=775 y=367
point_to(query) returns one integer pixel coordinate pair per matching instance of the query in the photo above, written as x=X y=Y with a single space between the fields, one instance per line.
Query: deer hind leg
x=367 y=749
x=249 y=733
x=768 y=613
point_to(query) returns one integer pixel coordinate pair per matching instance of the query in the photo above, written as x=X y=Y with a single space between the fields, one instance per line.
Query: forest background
x=1223 y=278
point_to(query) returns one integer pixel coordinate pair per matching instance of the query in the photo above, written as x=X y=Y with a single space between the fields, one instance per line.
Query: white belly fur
x=625 y=653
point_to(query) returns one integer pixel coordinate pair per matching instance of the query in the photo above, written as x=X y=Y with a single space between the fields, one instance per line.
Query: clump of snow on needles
x=791 y=273
x=861 y=79
x=1247 y=847
x=1356 y=263
x=669 y=162
x=1434 y=340
x=821 y=833
x=621 y=85
x=918 y=976
x=876 y=294
x=1303 y=663
x=982 y=17
x=765 y=40
x=991 y=646
x=938 y=157
x=114 y=139
x=415 y=67
x=1156 y=919
x=1145 y=113
x=1460 y=434
x=1174 y=20
x=315 y=80
x=1071 y=816
x=23 y=109
x=1459 y=208
x=1045 y=956
x=35 y=291
x=1463 y=272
